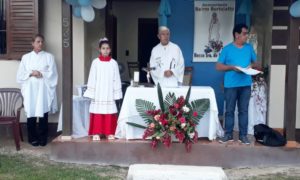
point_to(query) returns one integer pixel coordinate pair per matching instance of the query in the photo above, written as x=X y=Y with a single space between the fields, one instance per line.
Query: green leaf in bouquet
x=159 y=134
x=148 y=120
x=169 y=100
x=187 y=97
x=200 y=106
x=136 y=125
x=142 y=106
x=160 y=98
x=190 y=130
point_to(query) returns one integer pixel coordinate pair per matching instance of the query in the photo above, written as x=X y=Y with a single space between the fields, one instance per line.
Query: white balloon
x=87 y=13
x=98 y=4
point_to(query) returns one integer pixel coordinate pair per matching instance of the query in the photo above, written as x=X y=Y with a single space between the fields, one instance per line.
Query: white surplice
x=168 y=57
x=104 y=86
x=39 y=93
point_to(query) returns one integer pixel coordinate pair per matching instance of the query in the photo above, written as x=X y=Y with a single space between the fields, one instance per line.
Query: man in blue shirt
x=237 y=85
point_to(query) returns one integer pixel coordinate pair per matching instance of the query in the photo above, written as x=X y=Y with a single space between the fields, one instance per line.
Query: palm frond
x=136 y=125
x=142 y=106
x=187 y=97
x=169 y=100
x=160 y=98
x=200 y=106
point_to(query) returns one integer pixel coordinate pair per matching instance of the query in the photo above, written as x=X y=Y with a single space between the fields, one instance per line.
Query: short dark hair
x=36 y=36
x=103 y=42
x=238 y=29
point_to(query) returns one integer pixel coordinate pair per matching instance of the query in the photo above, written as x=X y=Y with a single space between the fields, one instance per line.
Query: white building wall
x=276 y=99
x=79 y=51
x=8 y=70
x=276 y=96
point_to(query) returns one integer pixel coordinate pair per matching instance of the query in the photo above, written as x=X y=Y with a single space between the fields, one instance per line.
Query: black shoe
x=43 y=143
x=244 y=140
x=34 y=143
x=226 y=138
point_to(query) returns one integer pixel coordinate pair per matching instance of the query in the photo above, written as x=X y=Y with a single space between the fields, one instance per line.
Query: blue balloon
x=72 y=2
x=295 y=9
x=84 y=2
x=77 y=11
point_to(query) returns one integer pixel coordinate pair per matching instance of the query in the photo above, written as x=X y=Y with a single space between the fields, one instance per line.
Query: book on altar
x=249 y=71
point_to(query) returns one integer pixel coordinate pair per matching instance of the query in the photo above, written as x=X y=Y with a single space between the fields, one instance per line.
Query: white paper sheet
x=248 y=71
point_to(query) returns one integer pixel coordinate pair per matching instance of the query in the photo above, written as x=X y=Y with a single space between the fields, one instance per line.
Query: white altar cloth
x=81 y=117
x=209 y=126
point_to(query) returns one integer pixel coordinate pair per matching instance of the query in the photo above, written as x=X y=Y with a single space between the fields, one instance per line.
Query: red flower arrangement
x=176 y=117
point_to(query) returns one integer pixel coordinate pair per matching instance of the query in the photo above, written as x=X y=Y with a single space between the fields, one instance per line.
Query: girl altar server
x=104 y=88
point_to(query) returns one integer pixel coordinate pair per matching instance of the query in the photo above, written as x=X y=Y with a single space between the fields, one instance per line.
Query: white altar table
x=81 y=117
x=209 y=126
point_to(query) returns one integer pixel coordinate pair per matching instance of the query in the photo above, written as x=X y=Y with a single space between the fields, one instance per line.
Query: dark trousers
x=42 y=134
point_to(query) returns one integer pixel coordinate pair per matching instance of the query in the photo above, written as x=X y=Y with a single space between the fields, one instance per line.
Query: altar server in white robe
x=167 y=61
x=104 y=88
x=37 y=75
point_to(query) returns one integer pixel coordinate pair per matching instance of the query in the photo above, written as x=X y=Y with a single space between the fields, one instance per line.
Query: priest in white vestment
x=37 y=75
x=167 y=61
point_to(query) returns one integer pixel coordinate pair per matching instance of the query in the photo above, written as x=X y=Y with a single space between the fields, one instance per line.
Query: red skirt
x=103 y=124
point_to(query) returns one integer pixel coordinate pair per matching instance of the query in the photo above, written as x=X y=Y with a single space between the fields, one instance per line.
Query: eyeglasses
x=245 y=33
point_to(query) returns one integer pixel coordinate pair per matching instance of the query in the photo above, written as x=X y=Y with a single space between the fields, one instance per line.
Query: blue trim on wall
x=181 y=24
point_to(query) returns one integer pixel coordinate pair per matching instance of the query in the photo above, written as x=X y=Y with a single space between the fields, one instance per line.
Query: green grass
x=28 y=167
x=19 y=167
x=278 y=176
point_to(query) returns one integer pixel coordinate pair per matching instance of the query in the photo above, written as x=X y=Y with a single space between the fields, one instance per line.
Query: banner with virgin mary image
x=214 y=21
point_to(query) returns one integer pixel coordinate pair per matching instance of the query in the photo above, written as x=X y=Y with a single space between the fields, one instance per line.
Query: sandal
x=111 y=137
x=96 y=138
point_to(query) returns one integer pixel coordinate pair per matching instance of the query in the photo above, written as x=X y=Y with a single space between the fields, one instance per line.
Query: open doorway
x=147 y=39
